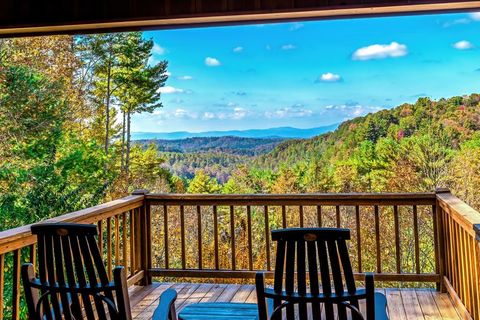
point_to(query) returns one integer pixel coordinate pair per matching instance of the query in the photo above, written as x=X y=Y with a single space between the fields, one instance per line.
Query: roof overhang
x=34 y=17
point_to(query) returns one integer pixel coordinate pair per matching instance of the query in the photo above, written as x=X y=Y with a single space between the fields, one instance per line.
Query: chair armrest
x=370 y=292
x=166 y=306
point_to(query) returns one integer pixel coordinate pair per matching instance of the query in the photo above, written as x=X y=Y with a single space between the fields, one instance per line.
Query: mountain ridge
x=277 y=132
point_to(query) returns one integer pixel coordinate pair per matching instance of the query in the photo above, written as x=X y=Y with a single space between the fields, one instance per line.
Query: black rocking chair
x=73 y=282
x=325 y=250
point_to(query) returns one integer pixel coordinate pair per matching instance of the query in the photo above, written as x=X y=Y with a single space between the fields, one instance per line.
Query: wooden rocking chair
x=73 y=282
x=324 y=249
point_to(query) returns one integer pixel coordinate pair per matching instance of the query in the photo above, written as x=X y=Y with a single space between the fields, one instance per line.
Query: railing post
x=476 y=267
x=440 y=241
x=145 y=238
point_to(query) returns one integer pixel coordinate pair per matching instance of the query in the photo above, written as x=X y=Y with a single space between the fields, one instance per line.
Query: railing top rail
x=426 y=198
x=19 y=237
x=468 y=217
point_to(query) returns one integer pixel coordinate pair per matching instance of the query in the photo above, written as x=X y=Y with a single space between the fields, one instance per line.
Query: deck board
x=403 y=304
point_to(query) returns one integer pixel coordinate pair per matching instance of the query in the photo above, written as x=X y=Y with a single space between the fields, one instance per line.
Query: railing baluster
x=182 y=235
x=300 y=209
x=397 y=240
x=267 y=237
x=165 y=234
x=319 y=216
x=215 y=235
x=359 y=238
x=232 y=236
x=337 y=215
x=2 y=283
x=199 y=237
x=284 y=217
x=117 y=240
x=416 y=240
x=124 y=240
x=33 y=254
x=109 y=247
x=16 y=285
x=249 y=232
x=132 y=242
x=100 y=236
x=377 y=239
x=437 y=244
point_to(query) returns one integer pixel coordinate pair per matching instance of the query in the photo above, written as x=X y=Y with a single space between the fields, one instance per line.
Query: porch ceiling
x=27 y=17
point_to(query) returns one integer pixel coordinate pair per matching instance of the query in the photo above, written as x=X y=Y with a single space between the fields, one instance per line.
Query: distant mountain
x=225 y=144
x=281 y=132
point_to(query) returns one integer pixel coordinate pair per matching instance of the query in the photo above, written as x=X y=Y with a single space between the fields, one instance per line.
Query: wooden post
x=440 y=241
x=144 y=241
x=476 y=266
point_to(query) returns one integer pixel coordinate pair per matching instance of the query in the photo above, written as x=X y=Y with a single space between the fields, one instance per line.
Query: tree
x=139 y=84
x=203 y=184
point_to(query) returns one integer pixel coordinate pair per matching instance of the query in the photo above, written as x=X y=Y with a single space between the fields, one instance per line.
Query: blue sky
x=309 y=74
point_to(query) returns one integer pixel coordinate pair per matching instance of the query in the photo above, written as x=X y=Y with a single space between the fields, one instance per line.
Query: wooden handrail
x=461 y=252
x=421 y=198
x=20 y=237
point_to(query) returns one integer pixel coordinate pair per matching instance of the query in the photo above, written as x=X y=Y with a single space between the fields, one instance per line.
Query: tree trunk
x=122 y=167
x=107 y=107
x=127 y=158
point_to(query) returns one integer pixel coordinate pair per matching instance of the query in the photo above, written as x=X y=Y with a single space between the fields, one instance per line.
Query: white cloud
x=212 y=62
x=185 y=78
x=170 y=89
x=237 y=49
x=475 y=16
x=296 y=111
x=288 y=47
x=237 y=113
x=349 y=111
x=208 y=115
x=168 y=74
x=157 y=49
x=329 y=77
x=380 y=51
x=463 y=45
x=178 y=113
x=296 y=26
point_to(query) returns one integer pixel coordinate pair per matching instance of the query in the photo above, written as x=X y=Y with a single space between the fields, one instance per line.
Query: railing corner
x=442 y=190
x=139 y=192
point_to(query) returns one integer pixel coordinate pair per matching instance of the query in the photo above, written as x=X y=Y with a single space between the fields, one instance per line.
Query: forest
x=65 y=143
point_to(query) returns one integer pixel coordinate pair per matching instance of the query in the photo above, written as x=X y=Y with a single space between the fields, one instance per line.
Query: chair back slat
x=82 y=280
x=75 y=306
x=301 y=278
x=290 y=275
x=278 y=280
x=60 y=276
x=303 y=254
x=43 y=275
x=337 y=276
x=325 y=276
x=313 y=272
x=347 y=272
x=73 y=282
x=92 y=277
x=50 y=260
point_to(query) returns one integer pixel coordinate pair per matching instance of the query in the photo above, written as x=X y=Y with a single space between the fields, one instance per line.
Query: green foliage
x=203 y=184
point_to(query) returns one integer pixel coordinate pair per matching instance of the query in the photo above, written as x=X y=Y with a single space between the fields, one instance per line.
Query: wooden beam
x=35 y=19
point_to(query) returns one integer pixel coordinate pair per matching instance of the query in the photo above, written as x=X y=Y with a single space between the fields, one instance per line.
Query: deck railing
x=414 y=238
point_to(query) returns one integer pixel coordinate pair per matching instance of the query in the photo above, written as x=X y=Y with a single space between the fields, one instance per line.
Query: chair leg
x=370 y=300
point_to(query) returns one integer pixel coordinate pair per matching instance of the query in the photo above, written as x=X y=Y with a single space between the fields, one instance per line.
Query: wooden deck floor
x=402 y=303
